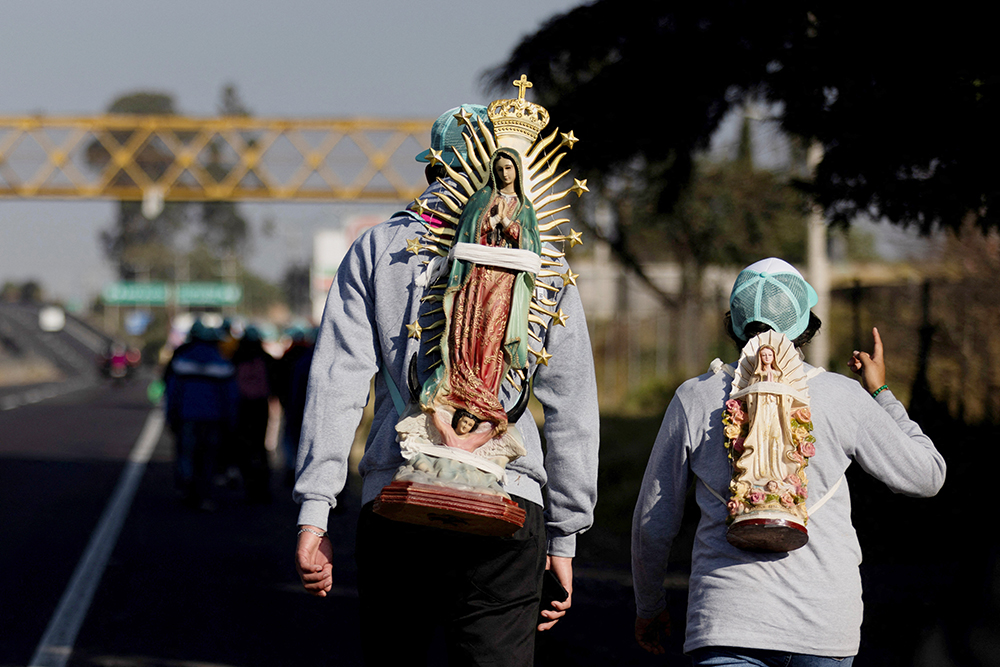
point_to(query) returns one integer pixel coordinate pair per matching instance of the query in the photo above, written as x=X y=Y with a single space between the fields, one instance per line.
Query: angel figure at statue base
x=453 y=474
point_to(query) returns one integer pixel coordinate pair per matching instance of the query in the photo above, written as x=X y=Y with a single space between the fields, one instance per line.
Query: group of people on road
x=799 y=607
x=218 y=391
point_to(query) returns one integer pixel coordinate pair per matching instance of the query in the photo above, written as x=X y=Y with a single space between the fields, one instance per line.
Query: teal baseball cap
x=446 y=134
x=773 y=292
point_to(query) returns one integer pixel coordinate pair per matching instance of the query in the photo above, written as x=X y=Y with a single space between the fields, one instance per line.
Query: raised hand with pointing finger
x=870 y=367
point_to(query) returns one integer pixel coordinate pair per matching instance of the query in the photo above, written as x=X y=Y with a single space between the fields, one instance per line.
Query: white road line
x=37 y=395
x=56 y=644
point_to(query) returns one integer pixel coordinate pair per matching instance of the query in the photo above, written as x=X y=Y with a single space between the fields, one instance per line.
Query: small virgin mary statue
x=769 y=437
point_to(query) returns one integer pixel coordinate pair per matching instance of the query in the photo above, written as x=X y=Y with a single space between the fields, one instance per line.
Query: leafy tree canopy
x=904 y=101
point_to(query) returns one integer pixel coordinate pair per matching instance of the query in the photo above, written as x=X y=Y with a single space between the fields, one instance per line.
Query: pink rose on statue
x=807 y=449
x=738 y=445
x=756 y=496
x=804 y=415
x=735 y=507
x=787 y=500
x=771 y=486
x=794 y=457
x=793 y=480
x=802 y=492
x=735 y=410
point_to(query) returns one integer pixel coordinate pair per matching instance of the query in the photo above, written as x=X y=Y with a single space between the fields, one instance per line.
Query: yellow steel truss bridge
x=176 y=158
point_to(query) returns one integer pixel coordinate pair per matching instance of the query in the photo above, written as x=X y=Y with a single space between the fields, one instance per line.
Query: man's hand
x=649 y=630
x=870 y=367
x=563 y=568
x=314 y=562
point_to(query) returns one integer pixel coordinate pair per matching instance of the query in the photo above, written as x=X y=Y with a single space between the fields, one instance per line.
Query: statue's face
x=766 y=356
x=465 y=424
x=505 y=172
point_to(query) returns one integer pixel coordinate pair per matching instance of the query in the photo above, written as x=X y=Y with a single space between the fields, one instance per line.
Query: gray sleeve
x=892 y=448
x=344 y=361
x=567 y=390
x=659 y=510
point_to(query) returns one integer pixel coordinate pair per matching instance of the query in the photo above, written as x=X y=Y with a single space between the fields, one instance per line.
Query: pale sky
x=296 y=58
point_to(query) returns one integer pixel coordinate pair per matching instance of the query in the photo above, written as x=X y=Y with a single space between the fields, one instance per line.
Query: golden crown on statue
x=517 y=119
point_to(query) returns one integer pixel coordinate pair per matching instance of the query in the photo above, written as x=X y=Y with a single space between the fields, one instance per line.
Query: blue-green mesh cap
x=771 y=291
x=446 y=133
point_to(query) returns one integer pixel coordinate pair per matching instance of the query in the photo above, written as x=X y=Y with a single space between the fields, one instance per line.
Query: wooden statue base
x=771 y=535
x=448 y=508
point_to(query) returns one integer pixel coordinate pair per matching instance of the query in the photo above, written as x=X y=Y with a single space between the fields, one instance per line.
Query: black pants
x=484 y=591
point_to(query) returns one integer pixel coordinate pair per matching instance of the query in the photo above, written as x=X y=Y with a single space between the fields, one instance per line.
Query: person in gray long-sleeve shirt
x=364 y=333
x=804 y=606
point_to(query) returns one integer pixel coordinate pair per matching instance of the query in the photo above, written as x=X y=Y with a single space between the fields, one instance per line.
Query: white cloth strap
x=770 y=388
x=812 y=510
x=718 y=367
x=826 y=496
x=505 y=258
x=713 y=492
x=411 y=447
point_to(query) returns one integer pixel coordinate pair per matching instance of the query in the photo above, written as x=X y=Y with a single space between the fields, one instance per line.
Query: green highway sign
x=208 y=294
x=127 y=293
x=160 y=294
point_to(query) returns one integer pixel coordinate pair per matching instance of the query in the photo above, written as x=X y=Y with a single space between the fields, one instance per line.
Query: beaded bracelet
x=879 y=390
x=310 y=530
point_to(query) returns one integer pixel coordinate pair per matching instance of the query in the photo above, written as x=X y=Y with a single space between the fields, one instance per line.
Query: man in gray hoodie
x=801 y=608
x=484 y=591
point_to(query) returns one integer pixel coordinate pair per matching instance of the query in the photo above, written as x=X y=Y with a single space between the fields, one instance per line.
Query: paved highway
x=101 y=565
x=91 y=575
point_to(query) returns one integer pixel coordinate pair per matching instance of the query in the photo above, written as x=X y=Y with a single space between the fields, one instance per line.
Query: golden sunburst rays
x=541 y=178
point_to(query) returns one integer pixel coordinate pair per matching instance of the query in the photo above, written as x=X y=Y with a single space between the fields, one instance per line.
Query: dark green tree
x=138 y=246
x=222 y=227
x=152 y=248
x=903 y=102
x=295 y=284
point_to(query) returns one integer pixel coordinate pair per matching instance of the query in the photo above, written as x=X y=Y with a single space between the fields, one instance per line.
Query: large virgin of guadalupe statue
x=495 y=257
x=455 y=435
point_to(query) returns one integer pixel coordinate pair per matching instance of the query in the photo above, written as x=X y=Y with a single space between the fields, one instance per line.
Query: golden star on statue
x=464 y=117
x=435 y=157
x=568 y=139
x=569 y=278
x=542 y=357
x=574 y=238
x=413 y=245
x=414 y=330
x=579 y=187
x=420 y=205
x=560 y=318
